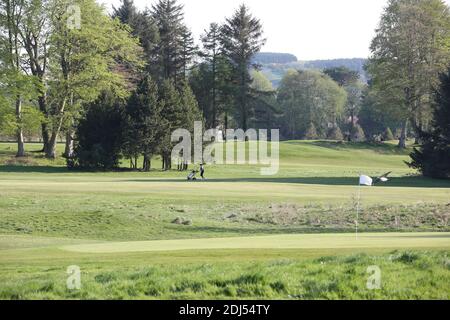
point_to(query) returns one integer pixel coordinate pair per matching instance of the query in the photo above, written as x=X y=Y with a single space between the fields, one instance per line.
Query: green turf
x=46 y=210
x=317 y=241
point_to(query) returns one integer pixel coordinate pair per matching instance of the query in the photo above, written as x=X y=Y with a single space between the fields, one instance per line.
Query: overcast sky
x=310 y=29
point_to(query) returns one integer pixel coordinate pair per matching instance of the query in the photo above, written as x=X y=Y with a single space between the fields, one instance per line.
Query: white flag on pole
x=365 y=181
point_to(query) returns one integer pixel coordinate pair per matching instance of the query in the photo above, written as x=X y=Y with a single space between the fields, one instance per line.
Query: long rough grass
x=404 y=275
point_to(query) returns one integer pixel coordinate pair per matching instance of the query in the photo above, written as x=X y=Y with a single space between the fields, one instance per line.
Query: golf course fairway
x=304 y=241
x=238 y=235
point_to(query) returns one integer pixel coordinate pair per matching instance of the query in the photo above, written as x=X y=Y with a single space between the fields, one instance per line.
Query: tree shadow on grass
x=424 y=236
x=407 y=182
x=257 y=231
x=277 y=230
x=32 y=169
x=382 y=148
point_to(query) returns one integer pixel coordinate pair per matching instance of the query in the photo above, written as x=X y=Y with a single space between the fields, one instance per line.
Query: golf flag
x=365 y=181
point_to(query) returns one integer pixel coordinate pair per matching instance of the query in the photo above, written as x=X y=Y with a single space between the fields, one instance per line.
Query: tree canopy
x=311 y=102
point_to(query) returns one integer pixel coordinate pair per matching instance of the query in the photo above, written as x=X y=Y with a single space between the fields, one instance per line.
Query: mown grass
x=293 y=241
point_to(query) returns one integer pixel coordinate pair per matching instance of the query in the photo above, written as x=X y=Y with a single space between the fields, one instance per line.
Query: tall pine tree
x=172 y=113
x=168 y=16
x=143 y=27
x=211 y=79
x=242 y=38
x=127 y=13
x=188 y=52
x=217 y=71
x=144 y=124
x=189 y=105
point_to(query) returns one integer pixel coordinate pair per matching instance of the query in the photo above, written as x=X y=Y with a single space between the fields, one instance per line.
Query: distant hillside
x=272 y=57
x=276 y=70
x=355 y=64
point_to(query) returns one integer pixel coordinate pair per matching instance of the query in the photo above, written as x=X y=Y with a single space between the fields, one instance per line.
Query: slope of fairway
x=22 y=242
x=316 y=241
x=314 y=191
x=297 y=159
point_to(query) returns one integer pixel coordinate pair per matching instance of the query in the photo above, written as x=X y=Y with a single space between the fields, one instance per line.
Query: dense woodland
x=118 y=85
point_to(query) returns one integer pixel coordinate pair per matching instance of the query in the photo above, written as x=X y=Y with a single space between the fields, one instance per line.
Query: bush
x=311 y=133
x=335 y=133
x=358 y=134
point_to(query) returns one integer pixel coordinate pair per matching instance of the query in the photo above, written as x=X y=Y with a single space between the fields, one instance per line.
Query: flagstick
x=357 y=209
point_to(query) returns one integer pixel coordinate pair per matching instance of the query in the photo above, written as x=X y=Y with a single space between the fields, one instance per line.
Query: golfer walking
x=202 y=171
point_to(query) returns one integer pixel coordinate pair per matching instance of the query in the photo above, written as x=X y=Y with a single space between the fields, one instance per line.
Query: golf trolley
x=192 y=176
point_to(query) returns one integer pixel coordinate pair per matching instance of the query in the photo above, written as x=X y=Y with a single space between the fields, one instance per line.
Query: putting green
x=309 y=241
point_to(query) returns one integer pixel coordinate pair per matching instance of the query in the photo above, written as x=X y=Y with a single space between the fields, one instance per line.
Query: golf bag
x=192 y=176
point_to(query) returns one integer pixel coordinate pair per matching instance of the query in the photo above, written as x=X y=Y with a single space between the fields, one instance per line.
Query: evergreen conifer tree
x=433 y=158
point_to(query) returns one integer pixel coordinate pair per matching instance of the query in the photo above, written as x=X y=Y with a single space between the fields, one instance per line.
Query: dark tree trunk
x=20 y=144
x=45 y=138
x=226 y=127
x=42 y=101
x=50 y=153
x=147 y=166
x=167 y=163
x=244 y=115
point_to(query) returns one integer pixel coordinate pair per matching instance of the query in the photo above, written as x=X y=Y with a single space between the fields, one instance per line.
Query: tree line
x=119 y=84
x=141 y=62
